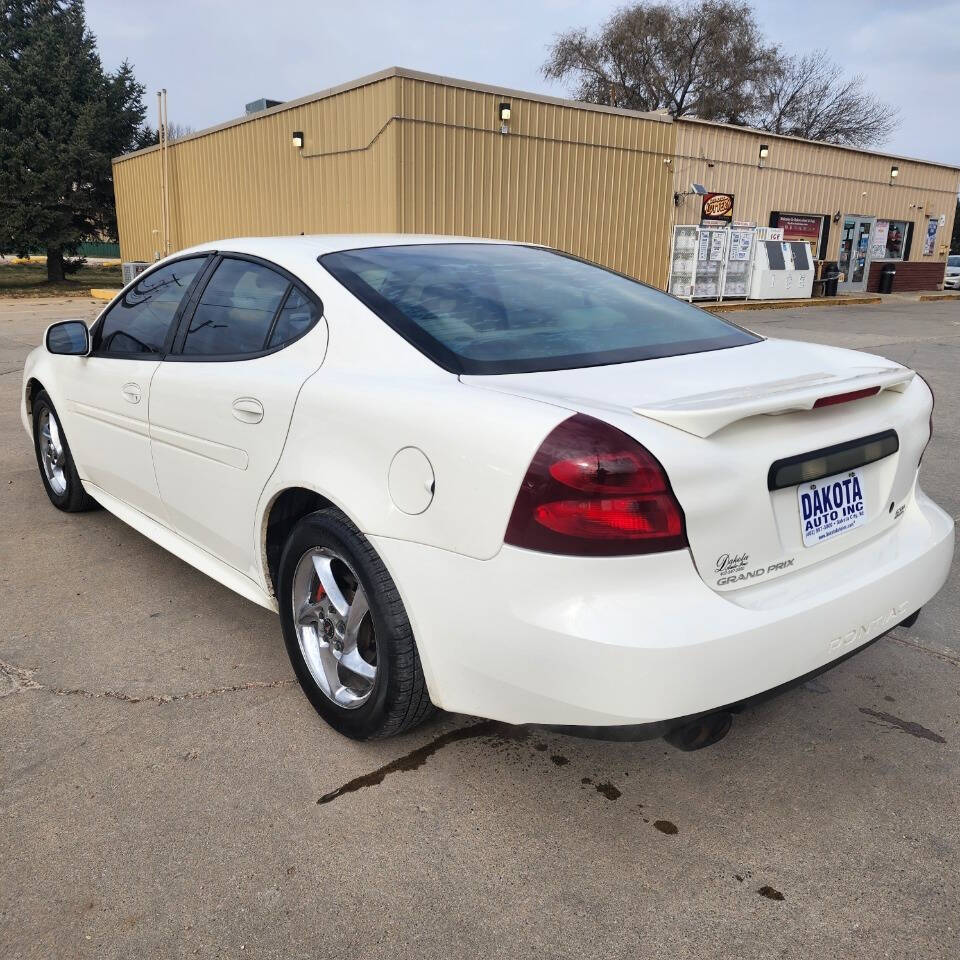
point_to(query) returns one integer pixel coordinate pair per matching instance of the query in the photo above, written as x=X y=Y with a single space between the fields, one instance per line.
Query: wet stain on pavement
x=770 y=893
x=608 y=790
x=417 y=758
x=907 y=726
x=666 y=826
x=559 y=760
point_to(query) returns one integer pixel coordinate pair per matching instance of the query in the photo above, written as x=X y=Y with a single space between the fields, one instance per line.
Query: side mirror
x=69 y=338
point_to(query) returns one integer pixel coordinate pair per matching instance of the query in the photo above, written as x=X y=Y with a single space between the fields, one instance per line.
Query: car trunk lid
x=718 y=428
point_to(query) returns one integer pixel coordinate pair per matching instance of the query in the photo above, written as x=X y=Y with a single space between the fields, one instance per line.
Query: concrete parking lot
x=161 y=775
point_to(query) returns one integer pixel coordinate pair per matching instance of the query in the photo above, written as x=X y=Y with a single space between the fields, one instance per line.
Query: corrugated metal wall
x=802 y=177
x=248 y=179
x=415 y=153
x=592 y=183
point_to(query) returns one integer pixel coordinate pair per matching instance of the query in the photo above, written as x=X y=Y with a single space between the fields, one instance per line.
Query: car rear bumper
x=535 y=638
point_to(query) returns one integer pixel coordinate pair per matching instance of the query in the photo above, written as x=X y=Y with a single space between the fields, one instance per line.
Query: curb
x=789 y=304
x=939 y=296
x=99 y=294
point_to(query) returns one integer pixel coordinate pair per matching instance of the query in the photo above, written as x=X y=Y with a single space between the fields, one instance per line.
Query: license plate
x=831 y=506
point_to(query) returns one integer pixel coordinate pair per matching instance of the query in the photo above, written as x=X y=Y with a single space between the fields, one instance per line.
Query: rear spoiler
x=703 y=414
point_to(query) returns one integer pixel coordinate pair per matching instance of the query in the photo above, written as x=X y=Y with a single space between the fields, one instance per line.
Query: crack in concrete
x=19 y=679
x=916 y=645
x=22 y=679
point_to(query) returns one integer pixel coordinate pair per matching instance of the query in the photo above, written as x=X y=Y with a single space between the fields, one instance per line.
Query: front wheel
x=346 y=631
x=57 y=469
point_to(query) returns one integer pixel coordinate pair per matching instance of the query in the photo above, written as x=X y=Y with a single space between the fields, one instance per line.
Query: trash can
x=887 y=277
x=831 y=276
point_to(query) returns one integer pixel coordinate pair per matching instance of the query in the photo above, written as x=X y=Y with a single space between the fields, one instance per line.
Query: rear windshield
x=953 y=261
x=498 y=308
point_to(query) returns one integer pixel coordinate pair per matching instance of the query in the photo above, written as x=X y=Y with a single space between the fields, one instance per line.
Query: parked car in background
x=495 y=478
x=951 y=280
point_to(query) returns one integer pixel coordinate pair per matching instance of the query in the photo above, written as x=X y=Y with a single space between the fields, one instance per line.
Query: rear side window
x=499 y=308
x=236 y=310
x=297 y=316
x=138 y=323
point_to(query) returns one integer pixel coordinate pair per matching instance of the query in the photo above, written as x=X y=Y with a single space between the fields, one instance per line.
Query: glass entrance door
x=854 y=255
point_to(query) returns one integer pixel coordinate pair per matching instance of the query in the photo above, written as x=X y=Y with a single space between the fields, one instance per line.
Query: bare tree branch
x=810 y=97
x=703 y=59
x=711 y=61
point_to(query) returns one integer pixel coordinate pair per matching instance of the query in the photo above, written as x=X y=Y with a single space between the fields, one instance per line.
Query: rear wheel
x=346 y=631
x=57 y=469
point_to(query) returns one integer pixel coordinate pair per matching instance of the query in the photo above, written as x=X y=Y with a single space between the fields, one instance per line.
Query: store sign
x=802 y=226
x=717 y=208
x=930 y=241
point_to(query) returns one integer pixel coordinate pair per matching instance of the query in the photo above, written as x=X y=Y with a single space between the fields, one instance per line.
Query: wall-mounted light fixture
x=894 y=173
x=297 y=139
x=836 y=217
x=764 y=153
x=503 y=111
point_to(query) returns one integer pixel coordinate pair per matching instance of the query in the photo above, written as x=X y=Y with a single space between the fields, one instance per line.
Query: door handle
x=248 y=410
x=131 y=392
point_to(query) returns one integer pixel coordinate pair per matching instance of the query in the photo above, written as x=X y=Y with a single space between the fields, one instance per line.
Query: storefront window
x=889 y=239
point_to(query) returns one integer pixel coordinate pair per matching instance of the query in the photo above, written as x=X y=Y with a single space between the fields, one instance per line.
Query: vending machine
x=782 y=270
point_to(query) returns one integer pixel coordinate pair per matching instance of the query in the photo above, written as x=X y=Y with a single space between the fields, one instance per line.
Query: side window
x=236 y=310
x=297 y=316
x=140 y=321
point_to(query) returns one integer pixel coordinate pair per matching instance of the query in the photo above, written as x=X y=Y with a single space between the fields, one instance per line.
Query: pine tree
x=62 y=119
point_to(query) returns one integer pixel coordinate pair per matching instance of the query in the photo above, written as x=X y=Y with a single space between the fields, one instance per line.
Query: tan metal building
x=404 y=152
x=843 y=194
x=401 y=151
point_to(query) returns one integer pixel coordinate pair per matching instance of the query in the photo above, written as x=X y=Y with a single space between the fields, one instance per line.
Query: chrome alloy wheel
x=51 y=452
x=334 y=627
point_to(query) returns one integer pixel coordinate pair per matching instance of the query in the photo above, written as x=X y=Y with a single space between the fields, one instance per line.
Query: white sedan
x=951 y=276
x=494 y=478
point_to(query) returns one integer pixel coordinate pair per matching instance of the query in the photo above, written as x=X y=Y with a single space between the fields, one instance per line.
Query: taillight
x=933 y=403
x=591 y=490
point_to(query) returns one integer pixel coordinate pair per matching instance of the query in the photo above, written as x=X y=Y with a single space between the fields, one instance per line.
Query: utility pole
x=166 y=174
x=164 y=171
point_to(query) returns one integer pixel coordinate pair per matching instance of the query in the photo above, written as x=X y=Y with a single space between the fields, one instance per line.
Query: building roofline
x=386 y=74
x=815 y=143
x=657 y=116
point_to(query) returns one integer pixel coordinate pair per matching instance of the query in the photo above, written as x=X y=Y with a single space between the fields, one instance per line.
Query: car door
x=222 y=400
x=106 y=396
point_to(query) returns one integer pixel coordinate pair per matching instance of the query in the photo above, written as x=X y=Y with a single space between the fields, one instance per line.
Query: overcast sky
x=213 y=57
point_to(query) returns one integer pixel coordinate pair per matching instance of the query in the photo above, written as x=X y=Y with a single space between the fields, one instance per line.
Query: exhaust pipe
x=701 y=732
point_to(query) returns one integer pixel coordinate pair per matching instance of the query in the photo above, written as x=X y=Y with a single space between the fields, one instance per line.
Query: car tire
x=55 y=461
x=396 y=699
